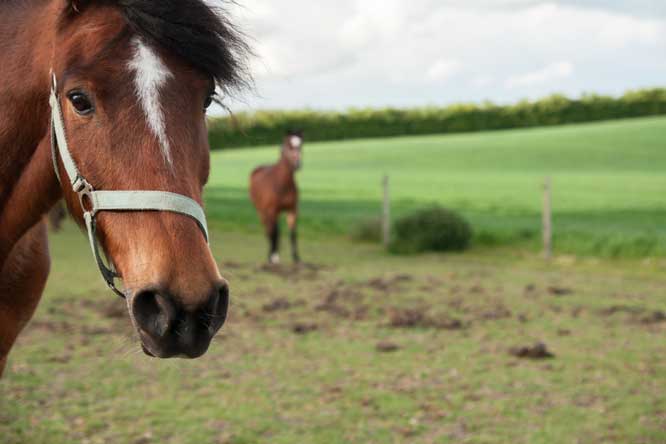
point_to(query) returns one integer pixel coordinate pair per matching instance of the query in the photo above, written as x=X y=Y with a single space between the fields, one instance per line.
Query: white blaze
x=296 y=141
x=150 y=74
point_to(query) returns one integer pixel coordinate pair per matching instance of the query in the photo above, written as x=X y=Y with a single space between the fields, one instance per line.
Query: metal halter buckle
x=84 y=190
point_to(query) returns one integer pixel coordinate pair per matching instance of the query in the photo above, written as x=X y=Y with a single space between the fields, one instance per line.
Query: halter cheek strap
x=94 y=202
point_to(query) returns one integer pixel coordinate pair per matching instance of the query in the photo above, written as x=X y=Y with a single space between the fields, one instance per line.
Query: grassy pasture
x=609 y=184
x=300 y=359
x=363 y=347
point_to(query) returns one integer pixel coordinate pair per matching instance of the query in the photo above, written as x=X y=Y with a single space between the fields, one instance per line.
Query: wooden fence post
x=386 y=213
x=547 y=219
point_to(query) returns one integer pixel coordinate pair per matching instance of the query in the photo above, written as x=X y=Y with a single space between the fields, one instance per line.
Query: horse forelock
x=198 y=32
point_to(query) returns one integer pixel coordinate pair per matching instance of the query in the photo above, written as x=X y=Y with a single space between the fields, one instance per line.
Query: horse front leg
x=22 y=282
x=272 y=226
x=292 y=222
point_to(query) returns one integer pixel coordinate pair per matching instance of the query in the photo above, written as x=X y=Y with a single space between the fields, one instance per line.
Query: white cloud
x=548 y=74
x=442 y=70
x=392 y=52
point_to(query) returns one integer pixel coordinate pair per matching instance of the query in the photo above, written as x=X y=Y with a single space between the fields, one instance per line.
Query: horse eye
x=209 y=101
x=81 y=102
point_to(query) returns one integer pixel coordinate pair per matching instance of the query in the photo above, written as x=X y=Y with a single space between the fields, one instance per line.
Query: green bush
x=431 y=229
x=367 y=230
x=268 y=127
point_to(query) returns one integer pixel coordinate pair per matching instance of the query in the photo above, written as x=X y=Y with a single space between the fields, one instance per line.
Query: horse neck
x=28 y=186
x=285 y=172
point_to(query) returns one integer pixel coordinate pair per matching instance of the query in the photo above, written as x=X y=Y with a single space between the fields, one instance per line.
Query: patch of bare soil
x=537 y=351
x=95 y=331
x=296 y=271
x=495 y=313
x=407 y=318
x=387 y=347
x=280 y=304
x=313 y=267
x=419 y=318
x=302 y=328
x=477 y=289
x=560 y=291
x=387 y=284
x=147 y=438
x=344 y=301
x=52 y=326
x=614 y=309
x=62 y=359
x=638 y=315
x=656 y=317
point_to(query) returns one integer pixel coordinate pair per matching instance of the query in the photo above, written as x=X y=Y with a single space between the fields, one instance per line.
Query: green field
x=609 y=184
x=359 y=346
x=298 y=361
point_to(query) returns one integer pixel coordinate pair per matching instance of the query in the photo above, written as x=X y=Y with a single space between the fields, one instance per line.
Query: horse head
x=132 y=81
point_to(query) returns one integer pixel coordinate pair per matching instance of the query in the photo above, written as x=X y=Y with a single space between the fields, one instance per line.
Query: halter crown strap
x=93 y=202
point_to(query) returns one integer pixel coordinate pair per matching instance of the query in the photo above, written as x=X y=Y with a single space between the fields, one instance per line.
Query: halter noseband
x=93 y=202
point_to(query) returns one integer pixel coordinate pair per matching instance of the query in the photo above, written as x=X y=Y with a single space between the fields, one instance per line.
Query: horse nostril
x=217 y=308
x=153 y=312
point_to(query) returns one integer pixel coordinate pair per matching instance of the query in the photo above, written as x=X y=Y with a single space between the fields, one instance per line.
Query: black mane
x=199 y=34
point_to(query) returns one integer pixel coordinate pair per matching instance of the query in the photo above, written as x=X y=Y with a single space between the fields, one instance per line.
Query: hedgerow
x=267 y=127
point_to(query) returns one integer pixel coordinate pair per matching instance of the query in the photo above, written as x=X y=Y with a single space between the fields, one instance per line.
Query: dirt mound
x=302 y=328
x=559 y=291
x=614 y=309
x=407 y=318
x=537 y=351
x=295 y=271
x=419 y=318
x=656 y=317
x=344 y=301
x=495 y=313
x=53 y=326
x=387 y=284
x=640 y=315
x=387 y=347
x=279 y=304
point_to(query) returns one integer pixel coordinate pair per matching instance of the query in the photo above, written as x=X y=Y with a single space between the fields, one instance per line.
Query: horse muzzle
x=168 y=329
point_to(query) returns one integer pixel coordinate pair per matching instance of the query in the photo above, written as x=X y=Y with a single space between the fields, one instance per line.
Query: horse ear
x=294 y=132
x=76 y=5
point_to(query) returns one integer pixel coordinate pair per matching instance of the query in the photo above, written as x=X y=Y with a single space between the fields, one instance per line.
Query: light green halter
x=92 y=202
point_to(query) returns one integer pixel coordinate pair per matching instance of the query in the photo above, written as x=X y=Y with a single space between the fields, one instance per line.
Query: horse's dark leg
x=292 y=221
x=22 y=281
x=272 y=227
x=274 y=238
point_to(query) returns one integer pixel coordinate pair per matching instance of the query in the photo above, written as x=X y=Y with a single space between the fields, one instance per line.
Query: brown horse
x=273 y=190
x=130 y=81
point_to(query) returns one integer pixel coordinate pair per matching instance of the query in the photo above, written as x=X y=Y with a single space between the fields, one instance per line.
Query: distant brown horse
x=127 y=83
x=273 y=190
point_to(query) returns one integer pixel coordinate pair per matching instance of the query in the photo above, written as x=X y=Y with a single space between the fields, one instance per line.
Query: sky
x=403 y=53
